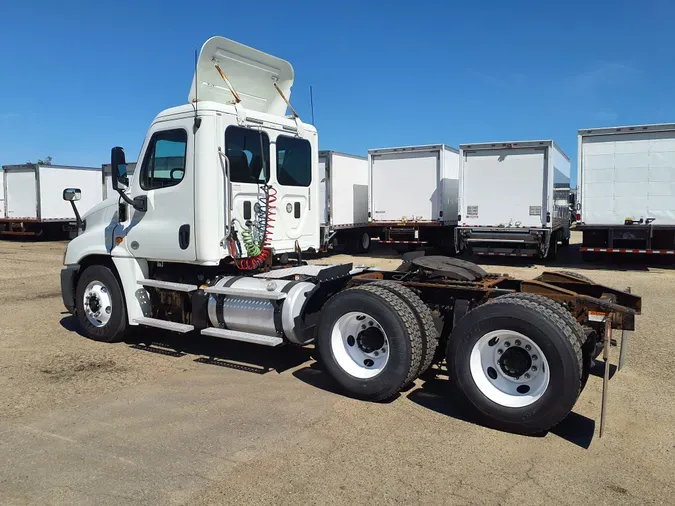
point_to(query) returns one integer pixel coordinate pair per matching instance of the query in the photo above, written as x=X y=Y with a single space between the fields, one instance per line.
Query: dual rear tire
x=517 y=359
x=375 y=339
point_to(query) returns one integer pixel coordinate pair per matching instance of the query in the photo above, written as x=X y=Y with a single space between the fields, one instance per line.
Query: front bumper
x=68 y=287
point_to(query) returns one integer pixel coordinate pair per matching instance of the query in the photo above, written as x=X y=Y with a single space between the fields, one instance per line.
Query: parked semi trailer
x=176 y=252
x=413 y=195
x=33 y=203
x=627 y=196
x=344 y=201
x=514 y=199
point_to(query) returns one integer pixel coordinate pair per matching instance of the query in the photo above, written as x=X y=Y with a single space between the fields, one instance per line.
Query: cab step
x=164 y=324
x=243 y=292
x=168 y=285
x=243 y=336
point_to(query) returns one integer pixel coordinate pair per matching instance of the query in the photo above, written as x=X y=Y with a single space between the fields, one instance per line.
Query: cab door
x=166 y=178
x=248 y=152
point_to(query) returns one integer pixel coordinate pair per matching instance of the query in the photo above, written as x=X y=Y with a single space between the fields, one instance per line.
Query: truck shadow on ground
x=209 y=350
x=434 y=394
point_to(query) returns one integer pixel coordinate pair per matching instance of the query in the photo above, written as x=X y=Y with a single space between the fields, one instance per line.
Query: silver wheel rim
x=360 y=345
x=97 y=303
x=365 y=241
x=509 y=368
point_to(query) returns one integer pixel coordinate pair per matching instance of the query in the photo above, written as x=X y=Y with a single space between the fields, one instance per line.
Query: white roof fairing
x=252 y=74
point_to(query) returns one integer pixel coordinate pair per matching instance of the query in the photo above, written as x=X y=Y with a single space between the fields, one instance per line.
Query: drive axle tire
x=424 y=320
x=518 y=362
x=100 y=307
x=571 y=322
x=369 y=342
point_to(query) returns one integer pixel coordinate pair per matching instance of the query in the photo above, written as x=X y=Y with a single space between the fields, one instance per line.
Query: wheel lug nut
x=517 y=342
x=534 y=357
x=363 y=327
x=528 y=347
x=527 y=376
x=499 y=352
x=370 y=323
x=507 y=344
x=383 y=350
x=534 y=368
x=375 y=353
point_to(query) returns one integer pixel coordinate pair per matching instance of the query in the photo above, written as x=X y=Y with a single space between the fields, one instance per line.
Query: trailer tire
x=553 y=247
x=425 y=321
x=98 y=290
x=362 y=242
x=350 y=357
x=504 y=397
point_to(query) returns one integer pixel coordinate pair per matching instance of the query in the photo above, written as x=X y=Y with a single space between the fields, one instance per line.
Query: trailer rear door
x=504 y=187
x=21 y=192
x=628 y=175
x=405 y=186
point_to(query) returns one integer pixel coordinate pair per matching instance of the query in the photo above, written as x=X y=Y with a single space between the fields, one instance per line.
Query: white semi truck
x=413 y=195
x=514 y=199
x=32 y=197
x=626 y=190
x=207 y=238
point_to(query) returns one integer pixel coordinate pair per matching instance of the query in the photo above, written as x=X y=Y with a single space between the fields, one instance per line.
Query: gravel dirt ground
x=189 y=421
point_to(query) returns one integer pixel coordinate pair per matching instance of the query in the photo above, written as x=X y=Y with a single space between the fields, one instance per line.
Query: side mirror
x=72 y=194
x=118 y=164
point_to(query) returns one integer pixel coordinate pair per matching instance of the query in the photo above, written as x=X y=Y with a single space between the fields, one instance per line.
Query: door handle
x=184 y=236
x=296 y=212
x=247 y=209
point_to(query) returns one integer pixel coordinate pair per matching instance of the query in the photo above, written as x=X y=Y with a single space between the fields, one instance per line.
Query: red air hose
x=255 y=262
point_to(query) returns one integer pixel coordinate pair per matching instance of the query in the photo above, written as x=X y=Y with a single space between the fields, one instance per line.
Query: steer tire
x=536 y=321
x=425 y=321
x=398 y=322
x=116 y=326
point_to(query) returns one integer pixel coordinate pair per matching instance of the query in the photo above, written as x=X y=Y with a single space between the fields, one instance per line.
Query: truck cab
x=220 y=180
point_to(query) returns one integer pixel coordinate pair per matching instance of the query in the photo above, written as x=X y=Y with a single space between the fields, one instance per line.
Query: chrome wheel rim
x=97 y=303
x=509 y=368
x=359 y=345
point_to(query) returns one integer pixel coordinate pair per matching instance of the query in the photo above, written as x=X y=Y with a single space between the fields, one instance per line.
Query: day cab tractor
x=207 y=238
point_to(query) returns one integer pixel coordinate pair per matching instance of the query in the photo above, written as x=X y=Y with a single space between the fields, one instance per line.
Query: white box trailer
x=627 y=189
x=514 y=199
x=106 y=174
x=2 y=195
x=33 y=202
x=413 y=194
x=343 y=200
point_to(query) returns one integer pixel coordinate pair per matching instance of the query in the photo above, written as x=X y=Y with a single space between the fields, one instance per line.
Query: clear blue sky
x=80 y=77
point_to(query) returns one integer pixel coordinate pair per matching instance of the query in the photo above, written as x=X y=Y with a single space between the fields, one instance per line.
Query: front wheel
x=518 y=362
x=100 y=305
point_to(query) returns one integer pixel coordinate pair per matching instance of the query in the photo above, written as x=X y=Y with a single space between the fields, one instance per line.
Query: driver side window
x=164 y=161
